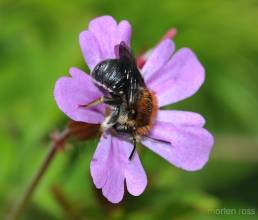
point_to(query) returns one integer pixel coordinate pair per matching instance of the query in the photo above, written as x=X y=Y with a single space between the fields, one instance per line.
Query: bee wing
x=134 y=79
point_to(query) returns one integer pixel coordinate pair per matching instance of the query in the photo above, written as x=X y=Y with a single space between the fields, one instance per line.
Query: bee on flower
x=126 y=101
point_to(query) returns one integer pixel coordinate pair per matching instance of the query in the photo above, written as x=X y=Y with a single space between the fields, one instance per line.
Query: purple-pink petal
x=113 y=188
x=72 y=92
x=180 y=78
x=104 y=29
x=185 y=144
x=123 y=33
x=90 y=49
x=182 y=118
x=111 y=166
x=157 y=59
x=98 y=42
x=99 y=166
x=106 y=171
x=136 y=179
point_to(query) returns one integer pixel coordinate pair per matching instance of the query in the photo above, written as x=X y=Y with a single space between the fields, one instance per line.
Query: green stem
x=19 y=207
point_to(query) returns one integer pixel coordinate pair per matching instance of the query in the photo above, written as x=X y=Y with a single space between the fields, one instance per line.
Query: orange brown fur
x=146 y=112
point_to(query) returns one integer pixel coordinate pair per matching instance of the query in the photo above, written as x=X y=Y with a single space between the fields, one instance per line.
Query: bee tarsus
x=134 y=148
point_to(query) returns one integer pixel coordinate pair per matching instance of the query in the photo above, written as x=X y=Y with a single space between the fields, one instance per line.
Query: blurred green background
x=39 y=42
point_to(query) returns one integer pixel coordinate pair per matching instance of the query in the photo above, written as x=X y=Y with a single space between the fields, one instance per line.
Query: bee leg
x=114 y=116
x=114 y=100
x=111 y=120
x=134 y=148
x=94 y=102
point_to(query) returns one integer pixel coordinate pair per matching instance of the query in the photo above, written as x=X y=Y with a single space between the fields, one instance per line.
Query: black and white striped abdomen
x=109 y=74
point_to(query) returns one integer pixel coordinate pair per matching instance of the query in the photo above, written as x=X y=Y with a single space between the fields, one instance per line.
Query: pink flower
x=177 y=136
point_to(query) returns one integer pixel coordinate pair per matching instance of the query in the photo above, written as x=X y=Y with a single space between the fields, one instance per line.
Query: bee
x=133 y=106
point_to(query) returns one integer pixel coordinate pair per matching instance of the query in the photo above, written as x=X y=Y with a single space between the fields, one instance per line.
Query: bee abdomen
x=108 y=74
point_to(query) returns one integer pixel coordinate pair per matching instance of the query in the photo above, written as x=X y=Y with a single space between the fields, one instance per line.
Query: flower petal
x=110 y=166
x=123 y=33
x=99 y=165
x=106 y=171
x=90 y=49
x=158 y=58
x=71 y=92
x=183 y=118
x=186 y=147
x=113 y=188
x=180 y=78
x=104 y=29
x=98 y=42
x=136 y=179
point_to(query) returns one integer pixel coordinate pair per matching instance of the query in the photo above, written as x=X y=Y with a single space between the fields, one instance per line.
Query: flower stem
x=57 y=142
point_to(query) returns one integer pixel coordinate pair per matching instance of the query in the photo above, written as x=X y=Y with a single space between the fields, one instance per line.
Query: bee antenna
x=154 y=139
